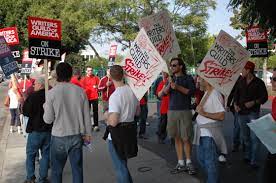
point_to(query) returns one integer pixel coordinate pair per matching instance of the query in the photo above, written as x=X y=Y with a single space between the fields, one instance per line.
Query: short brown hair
x=117 y=73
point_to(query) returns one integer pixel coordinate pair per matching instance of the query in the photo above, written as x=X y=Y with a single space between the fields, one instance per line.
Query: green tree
x=97 y=63
x=121 y=17
x=256 y=12
x=76 y=24
x=194 y=49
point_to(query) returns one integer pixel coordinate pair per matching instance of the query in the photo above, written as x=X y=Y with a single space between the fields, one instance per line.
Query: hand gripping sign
x=142 y=64
x=223 y=63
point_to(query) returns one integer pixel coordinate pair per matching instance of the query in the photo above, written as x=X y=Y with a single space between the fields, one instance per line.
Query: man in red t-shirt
x=76 y=78
x=162 y=127
x=90 y=84
x=271 y=158
x=107 y=87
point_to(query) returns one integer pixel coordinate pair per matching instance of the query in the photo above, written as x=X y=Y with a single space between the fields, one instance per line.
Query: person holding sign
x=107 y=87
x=66 y=106
x=179 y=126
x=208 y=132
x=122 y=140
x=250 y=94
x=39 y=133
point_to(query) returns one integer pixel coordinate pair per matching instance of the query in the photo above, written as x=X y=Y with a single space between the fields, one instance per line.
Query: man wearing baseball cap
x=250 y=94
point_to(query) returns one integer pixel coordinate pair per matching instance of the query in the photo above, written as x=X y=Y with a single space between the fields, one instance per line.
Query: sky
x=218 y=19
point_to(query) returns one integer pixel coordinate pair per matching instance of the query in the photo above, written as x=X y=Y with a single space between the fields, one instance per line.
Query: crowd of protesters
x=59 y=124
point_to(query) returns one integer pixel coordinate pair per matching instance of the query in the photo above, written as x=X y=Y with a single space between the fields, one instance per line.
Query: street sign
x=44 y=38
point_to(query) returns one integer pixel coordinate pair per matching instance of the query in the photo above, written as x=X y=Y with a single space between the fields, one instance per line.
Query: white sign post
x=223 y=63
x=142 y=65
x=160 y=31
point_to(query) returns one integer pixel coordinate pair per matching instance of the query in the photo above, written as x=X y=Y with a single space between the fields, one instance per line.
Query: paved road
x=3 y=110
x=159 y=157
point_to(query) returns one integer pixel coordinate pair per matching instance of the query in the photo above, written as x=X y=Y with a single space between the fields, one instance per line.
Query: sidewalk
x=97 y=164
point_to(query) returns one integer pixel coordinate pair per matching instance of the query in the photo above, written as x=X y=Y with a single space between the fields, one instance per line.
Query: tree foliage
x=122 y=16
x=76 y=25
x=85 y=22
x=256 y=12
x=194 y=49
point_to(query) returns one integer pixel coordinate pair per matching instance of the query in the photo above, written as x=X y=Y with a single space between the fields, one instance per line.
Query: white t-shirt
x=214 y=104
x=13 y=99
x=124 y=102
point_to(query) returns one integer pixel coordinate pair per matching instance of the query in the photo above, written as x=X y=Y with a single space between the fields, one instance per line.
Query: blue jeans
x=15 y=120
x=250 y=140
x=36 y=141
x=122 y=172
x=208 y=158
x=61 y=148
x=236 y=131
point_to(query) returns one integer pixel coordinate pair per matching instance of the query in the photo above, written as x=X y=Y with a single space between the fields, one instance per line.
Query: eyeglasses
x=173 y=65
x=273 y=79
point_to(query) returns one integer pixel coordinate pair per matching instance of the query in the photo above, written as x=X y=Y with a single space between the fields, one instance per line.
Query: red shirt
x=274 y=108
x=143 y=101
x=164 y=100
x=75 y=81
x=90 y=85
x=103 y=88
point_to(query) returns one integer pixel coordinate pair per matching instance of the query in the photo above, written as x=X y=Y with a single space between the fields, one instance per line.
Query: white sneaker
x=18 y=130
x=147 y=123
x=222 y=159
x=96 y=128
x=11 y=130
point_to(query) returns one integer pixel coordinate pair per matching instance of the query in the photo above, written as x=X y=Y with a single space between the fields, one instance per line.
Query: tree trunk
x=95 y=51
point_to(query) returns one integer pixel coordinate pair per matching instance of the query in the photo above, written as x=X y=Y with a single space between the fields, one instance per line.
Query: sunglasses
x=173 y=65
x=273 y=79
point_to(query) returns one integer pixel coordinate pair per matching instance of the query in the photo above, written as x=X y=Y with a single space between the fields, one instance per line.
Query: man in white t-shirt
x=208 y=135
x=122 y=138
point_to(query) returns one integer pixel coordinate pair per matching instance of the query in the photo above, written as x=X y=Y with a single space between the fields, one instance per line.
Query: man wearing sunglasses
x=250 y=94
x=180 y=88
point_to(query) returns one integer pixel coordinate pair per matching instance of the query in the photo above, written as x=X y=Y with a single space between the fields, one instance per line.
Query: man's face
x=245 y=72
x=273 y=81
x=89 y=71
x=175 y=67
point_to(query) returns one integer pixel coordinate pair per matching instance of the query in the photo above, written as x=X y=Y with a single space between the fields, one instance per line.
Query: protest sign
x=223 y=63
x=265 y=130
x=26 y=63
x=11 y=35
x=160 y=31
x=256 y=42
x=7 y=62
x=142 y=65
x=44 y=38
x=112 y=55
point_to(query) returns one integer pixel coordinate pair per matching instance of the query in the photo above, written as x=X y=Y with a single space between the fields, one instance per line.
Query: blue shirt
x=178 y=100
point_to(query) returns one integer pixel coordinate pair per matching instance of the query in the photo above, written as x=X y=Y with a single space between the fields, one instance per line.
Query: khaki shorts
x=180 y=124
